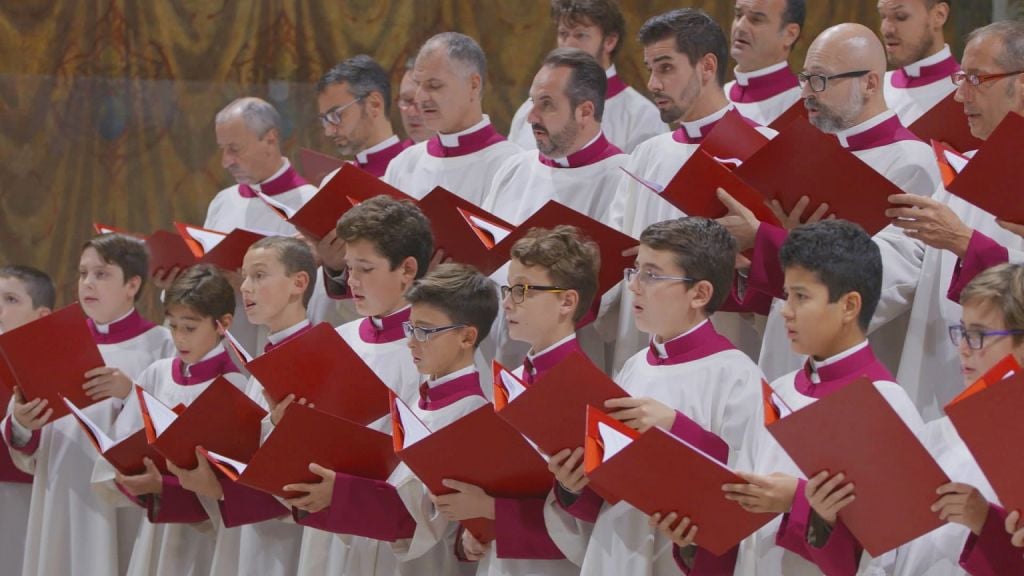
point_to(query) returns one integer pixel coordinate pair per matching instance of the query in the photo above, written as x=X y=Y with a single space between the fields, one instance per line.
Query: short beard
x=558 y=143
x=832 y=121
x=688 y=99
x=918 y=52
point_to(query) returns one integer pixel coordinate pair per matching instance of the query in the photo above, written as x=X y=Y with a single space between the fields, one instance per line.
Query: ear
x=585 y=110
x=301 y=281
x=43 y=311
x=609 y=43
x=570 y=302
x=225 y=323
x=271 y=137
x=134 y=284
x=708 y=67
x=468 y=338
x=790 y=34
x=375 y=103
x=939 y=14
x=475 y=85
x=873 y=83
x=851 y=304
x=703 y=291
x=409 y=268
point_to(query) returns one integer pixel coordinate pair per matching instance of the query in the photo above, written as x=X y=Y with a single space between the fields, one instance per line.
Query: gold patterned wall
x=106 y=106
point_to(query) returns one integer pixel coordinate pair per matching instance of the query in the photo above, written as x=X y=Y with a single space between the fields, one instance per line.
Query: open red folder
x=317 y=165
x=480 y=449
x=167 y=250
x=794 y=112
x=993 y=175
x=552 y=413
x=466 y=233
x=987 y=416
x=30 y=361
x=804 y=161
x=217 y=248
x=222 y=419
x=303 y=436
x=611 y=242
x=946 y=122
x=125 y=454
x=322 y=368
x=855 y=431
x=659 y=473
x=949 y=160
x=733 y=138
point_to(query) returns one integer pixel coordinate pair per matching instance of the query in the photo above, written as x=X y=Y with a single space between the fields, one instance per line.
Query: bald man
x=912 y=31
x=466 y=152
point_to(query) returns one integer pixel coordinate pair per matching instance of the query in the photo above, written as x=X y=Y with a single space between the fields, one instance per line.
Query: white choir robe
x=635 y=207
x=712 y=386
x=629 y=118
x=385 y=351
x=73 y=527
x=914 y=89
x=15 y=498
x=463 y=163
x=584 y=181
x=760 y=555
x=229 y=210
x=910 y=165
x=763 y=95
x=174 y=549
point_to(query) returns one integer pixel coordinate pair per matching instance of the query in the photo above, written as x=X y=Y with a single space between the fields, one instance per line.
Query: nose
x=654 y=83
x=532 y=117
x=887 y=27
x=246 y=286
x=227 y=159
x=963 y=93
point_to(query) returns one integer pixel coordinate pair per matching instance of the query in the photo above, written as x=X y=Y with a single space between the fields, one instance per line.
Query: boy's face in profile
x=376 y=289
x=660 y=306
x=812 y=322
x=442 y=350
x=983 y=316
x=535 y=318
x=16 y=308
x=266 y=289
x=104 y=293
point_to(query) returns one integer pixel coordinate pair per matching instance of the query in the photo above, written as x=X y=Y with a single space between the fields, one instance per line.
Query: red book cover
x=317 y=165
x=126 y=454
x=222 y=250
x=32 y=363
x=466 y=233
x=794 y=112
x=989 y=178
x=803 y=161
x=322 y=368
x=306 y=435
x=946 y=122
x=167 y=250
x=659 y=473
x=480 y=449
x=855 y=431
x=733 y=138
x=987 y=418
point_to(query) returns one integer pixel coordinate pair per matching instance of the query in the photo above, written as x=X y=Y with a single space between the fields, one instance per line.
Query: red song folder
x=32 y=363
x=804 y=161
x=217 y=248
x=733 y=138
x=552 y=413
x=987 y=416
x=317 y=165
x=991 y=177
x=794 y=112
x=611 y=242
x=480 y=449
x=949 y=160
x=306 y=435
x=222 y=419
x=946 y=122
x=466 y=233
x=125 y=454
x=167 y=250
x=855 y=431
x=659 y=473
x=322 y=368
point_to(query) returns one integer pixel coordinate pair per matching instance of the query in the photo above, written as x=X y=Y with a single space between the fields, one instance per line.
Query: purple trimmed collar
x=599 y=149
x=377 y=162
x=390 y=330
x=271 y=345
x=700 y=343
x=683 y=137
x=938 y=72
x=450 y=392
x=122 y=330
x=288 y=180
x=202 y=371
x=615 y=87
x=889 y=131
x=468 y=143
x=861 y=363
x=534 y=368
x=760 y=88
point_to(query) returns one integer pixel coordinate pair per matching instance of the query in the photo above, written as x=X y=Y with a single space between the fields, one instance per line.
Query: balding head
x=855 y=53
x=449 y=74
x=248 y=135
x=259 y=115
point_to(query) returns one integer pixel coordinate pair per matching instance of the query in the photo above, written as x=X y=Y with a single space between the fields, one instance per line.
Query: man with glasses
x=962 y=239
x=354 y=100
x=914 y=43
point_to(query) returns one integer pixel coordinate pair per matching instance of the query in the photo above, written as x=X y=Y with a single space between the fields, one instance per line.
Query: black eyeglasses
x=961 y=78
x=422 y=334
x=976 y=338
x=819 y=82
x=333 y=116
x=519 y=291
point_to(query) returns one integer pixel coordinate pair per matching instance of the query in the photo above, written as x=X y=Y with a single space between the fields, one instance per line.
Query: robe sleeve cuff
x=766 y=275
x=792 y=534
x=336 y=286
x=694 y=434
x=840 y=556
x=982 y=254
x=520 y=531
x=991 y=553
x=705 y=563
x=243 y=505
x=29 y=447
x=363 y=507
x=744 y=299
x=583 y=506
x=175 y=505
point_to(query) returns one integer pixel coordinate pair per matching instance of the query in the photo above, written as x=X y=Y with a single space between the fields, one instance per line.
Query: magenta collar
x=683 y=137
x=861 y=363
x=450 y=392
x=599 y=149
x=202 y=371
x=700 y=343
x=468 y=143
x=615 y=87
x=270 y=345
x=288 y=180
x=940 y=71
x=377 y=162
x=390 y=330
x=534 y=368
x=761 y=88
x=121 y=331
x=888 y=132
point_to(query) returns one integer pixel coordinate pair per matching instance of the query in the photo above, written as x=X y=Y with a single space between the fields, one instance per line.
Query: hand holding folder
x=29 y=360
x=991 y=179
x=322 y=368
x=855 y=431
x=659 y=473
x=987 y=416
x=222 y=419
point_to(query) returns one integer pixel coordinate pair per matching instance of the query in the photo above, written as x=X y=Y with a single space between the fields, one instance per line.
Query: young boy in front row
x=691 y=382
x=71 y=528
x=26 y=294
